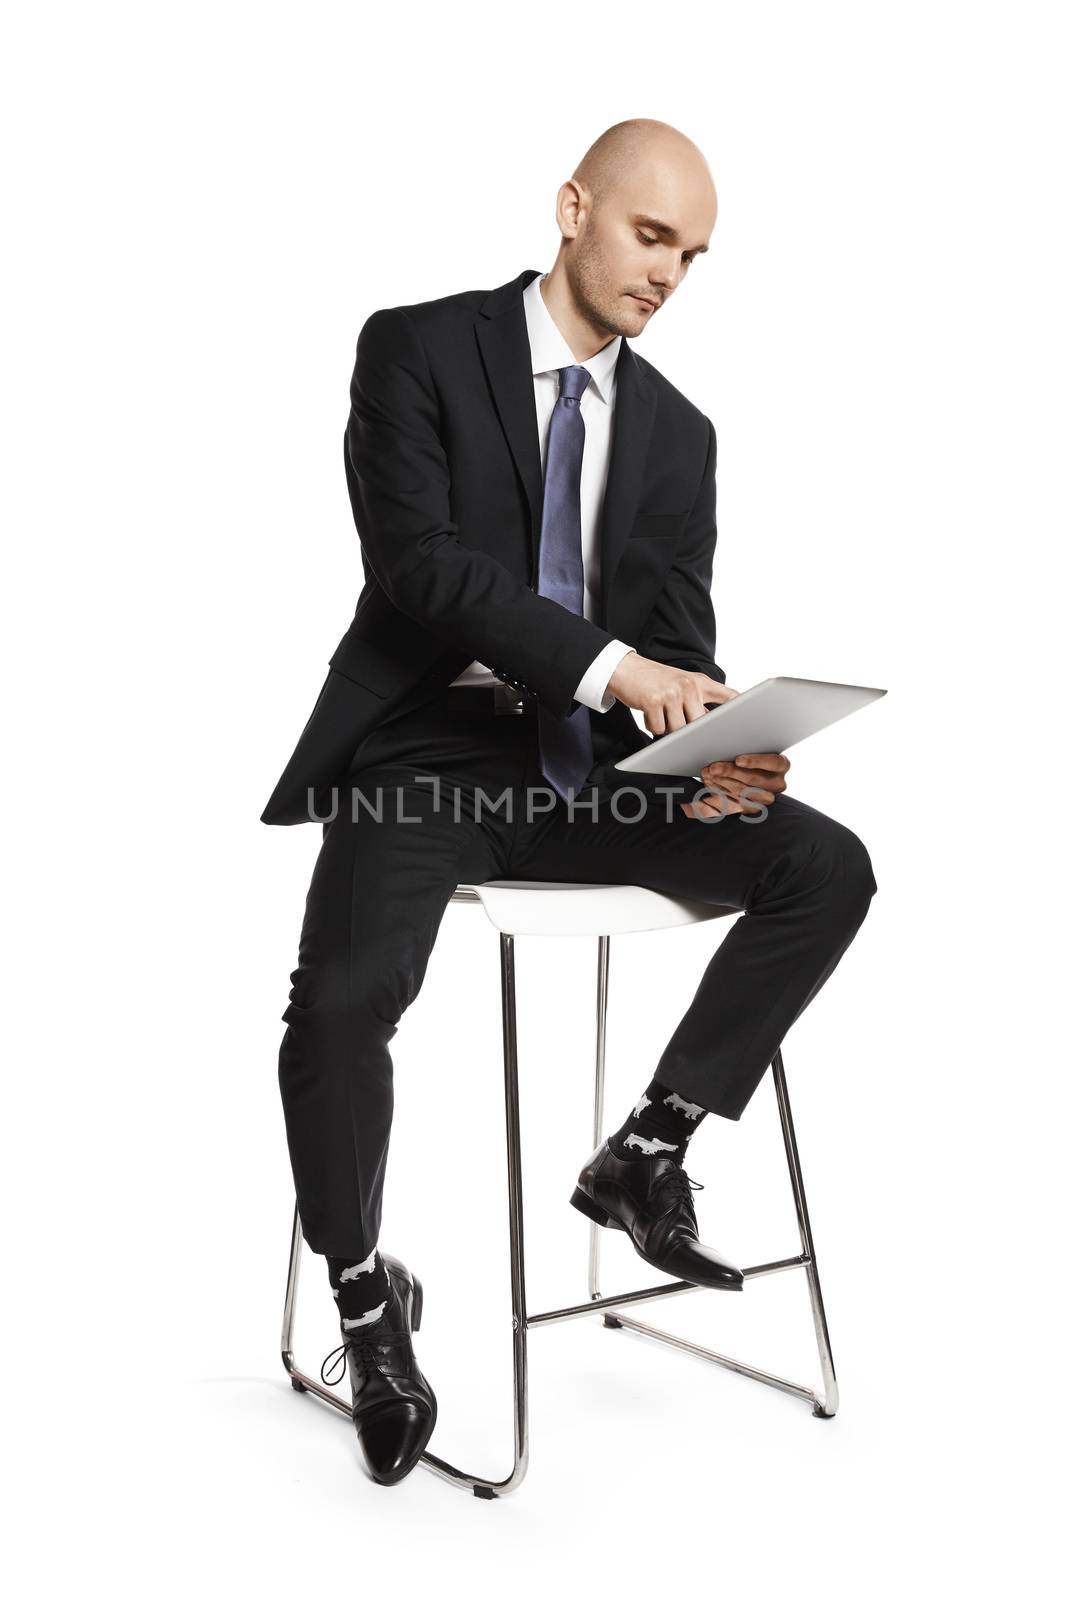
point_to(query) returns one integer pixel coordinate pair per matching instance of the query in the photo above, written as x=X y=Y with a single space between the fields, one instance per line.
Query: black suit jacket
x=443 y=464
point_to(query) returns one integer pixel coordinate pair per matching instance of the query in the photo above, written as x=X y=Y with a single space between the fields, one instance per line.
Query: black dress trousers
x=437 y=797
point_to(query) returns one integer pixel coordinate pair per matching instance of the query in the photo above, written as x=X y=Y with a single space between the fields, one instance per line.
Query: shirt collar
x=549 y=350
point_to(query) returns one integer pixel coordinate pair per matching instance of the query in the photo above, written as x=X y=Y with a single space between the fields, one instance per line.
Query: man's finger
x=713 y=806
x=769 y=762
x=723 y=771
x=744 y=788
x=711 y=689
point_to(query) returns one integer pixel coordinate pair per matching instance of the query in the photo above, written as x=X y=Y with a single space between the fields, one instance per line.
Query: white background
x=204 y=205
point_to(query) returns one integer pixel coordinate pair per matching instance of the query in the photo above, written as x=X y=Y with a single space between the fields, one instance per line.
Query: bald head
x=634 y=217
x=642 y=142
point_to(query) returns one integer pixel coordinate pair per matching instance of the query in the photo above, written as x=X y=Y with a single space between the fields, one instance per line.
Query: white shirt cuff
x=593 y=689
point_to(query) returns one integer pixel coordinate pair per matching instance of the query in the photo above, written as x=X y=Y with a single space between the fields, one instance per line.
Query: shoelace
x=362 y=1351
x=678 y=1185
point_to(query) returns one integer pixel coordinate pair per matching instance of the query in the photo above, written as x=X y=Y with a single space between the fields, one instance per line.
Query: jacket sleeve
x=398 y=483
x=680 y=630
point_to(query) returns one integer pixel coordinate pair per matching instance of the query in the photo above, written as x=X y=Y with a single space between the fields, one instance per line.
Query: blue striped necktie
x=566 y=743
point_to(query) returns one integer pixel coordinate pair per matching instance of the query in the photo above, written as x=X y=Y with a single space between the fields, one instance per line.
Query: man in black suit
x=536 y=509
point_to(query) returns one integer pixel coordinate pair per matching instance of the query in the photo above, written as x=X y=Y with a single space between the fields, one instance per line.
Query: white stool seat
x=518 y=905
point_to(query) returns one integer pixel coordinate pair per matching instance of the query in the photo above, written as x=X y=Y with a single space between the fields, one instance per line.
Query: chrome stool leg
x=487 y=1488
x=484 y=1488
x=826 y=1404
x=301 y=1381
x=603 y=956
x=823 y=1405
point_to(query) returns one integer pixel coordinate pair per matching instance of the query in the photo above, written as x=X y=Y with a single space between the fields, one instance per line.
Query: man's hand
x=761 y=776
x=667 y=697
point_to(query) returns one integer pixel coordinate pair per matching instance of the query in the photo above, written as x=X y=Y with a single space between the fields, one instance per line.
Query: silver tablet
x=771 y=716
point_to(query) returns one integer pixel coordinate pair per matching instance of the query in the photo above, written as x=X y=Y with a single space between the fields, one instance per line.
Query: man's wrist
x=592 y=691
x=622 y=658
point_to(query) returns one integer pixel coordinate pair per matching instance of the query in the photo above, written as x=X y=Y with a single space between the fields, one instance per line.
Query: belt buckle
x=508 y=702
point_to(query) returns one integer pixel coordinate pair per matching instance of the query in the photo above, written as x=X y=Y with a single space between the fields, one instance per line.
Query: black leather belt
x=495 y=700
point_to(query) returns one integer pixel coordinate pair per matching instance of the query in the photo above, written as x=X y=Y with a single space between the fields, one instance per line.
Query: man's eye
x=687 y=258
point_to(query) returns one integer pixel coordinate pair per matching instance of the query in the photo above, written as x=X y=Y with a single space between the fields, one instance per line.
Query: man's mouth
x=642 y=300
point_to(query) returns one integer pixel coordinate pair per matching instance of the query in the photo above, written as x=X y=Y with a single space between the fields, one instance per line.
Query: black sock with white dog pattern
x=660 y=1124
x=362 y=1289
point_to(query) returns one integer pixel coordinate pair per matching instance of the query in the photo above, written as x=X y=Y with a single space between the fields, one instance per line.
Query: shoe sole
x=589 y=1208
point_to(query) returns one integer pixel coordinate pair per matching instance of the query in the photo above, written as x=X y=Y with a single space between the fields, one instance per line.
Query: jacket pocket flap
x=366 y=663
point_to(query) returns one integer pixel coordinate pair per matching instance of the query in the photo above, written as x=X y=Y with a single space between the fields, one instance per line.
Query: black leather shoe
x=651 y=1199
x=393 y=1407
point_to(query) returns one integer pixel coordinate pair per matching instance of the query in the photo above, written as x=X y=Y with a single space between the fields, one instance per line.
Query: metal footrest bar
x=675 y=1286
x=592 y=1307
x=815 y=1400
x=823 y=1405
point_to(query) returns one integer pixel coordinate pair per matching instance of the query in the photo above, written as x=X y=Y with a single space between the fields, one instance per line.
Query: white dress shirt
x=549 y=351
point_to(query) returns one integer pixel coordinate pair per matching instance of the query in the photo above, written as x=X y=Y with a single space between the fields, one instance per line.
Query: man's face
x=623 y=267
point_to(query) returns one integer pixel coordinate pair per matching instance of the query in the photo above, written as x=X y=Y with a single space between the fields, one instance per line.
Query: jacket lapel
x=635 y=410
x=505 y=348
